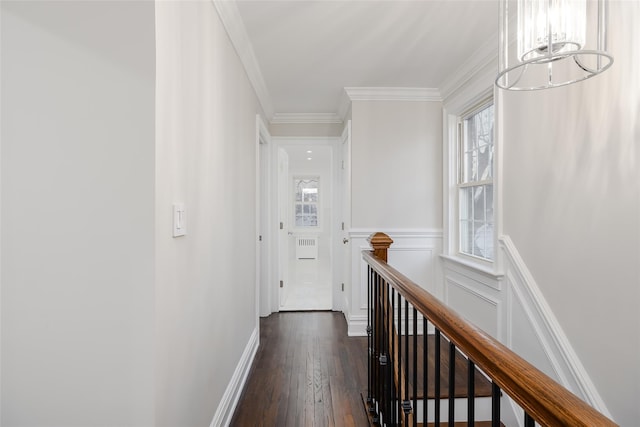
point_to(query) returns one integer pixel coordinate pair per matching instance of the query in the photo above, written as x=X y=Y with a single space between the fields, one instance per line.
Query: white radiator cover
x=307 y=247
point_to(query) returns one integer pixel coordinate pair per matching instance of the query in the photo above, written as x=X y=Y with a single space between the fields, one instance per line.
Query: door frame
x=335 y=143
x=263 y=218
x=343 y=250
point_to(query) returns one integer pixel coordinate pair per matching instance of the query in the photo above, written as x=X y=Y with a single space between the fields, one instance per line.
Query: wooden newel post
x=380 y=242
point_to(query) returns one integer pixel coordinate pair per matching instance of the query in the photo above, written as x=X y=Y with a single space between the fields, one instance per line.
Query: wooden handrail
x=548 y=402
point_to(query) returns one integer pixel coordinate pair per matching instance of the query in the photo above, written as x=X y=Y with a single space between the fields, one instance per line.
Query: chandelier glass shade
x=559 y=42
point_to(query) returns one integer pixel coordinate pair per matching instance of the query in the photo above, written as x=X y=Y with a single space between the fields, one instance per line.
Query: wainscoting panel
x=523 y=338
x=535 y=334
x=510 y=306
x=414 y=252
x=477 y=307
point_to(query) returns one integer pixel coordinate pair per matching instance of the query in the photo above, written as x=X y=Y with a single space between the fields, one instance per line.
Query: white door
x=283 y=224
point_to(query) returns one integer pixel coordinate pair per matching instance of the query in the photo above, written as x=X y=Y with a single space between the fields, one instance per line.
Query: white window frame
x=317 y=203
x=463 y=184
x=454 y=109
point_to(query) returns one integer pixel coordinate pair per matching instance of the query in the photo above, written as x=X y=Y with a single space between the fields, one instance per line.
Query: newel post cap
x=380 y=242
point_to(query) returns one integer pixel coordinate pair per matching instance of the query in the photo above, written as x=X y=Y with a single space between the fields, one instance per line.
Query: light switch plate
x=179 y=220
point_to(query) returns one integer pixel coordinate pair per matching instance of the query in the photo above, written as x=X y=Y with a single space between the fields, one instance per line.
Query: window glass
x=306 y=201
x=475 y=186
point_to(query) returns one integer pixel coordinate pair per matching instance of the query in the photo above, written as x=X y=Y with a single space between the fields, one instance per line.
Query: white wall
x=572 y=209
x=396 y=187
x=206 y=158
x=396 y=164
x=77 y=213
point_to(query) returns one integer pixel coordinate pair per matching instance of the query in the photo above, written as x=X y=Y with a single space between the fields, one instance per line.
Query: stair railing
x=401 y=316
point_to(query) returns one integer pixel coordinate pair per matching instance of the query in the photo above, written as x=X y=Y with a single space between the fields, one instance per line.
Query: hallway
x=309 y=285
x=307 y=372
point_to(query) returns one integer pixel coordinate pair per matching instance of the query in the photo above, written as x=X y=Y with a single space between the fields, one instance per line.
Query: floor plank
x=307 y=372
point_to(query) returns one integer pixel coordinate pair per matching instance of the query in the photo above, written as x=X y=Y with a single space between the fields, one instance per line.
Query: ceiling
x=306 y=52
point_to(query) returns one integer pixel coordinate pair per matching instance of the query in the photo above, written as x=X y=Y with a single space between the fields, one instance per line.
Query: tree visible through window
x=306 y=201
x=475 y=184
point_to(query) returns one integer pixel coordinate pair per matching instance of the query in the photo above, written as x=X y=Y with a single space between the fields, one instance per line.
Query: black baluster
x=385 y=338
x=374 y=340
x=436 y=402
x=415 y=366
x=394 y=412
x=471 y=394
x=369 y=283
x=406 y=404
x=528 y=420
x=383 y=356
x=495 y=405
x=399 y=359
x=425 y=366
x=452 y=382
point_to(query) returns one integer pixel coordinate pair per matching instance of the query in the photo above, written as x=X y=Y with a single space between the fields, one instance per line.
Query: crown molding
x=483 y=62
x=392 y=94
x=345 y=104
x=232 y=21
x=289 y=118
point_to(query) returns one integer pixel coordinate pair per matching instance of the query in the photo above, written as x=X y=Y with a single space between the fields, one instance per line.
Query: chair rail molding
x=415 y=251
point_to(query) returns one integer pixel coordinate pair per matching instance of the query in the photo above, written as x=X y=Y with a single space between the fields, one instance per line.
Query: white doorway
x=263 y=219
x=307 y=190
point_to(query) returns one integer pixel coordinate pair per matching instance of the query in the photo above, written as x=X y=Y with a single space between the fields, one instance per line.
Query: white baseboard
x=357 y=325
x=231 y=396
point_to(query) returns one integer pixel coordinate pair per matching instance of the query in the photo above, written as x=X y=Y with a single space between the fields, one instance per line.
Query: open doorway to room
x=306 y=190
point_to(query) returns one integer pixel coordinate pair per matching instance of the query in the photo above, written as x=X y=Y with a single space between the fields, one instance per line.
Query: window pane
x=485 y=162
x=312 y=221
x=466 y=203
x=478 y=203
x=466 y=236
x=478 y=146
x=483 y=240
x=476 y=221
x=306 y=198
x=311 y=195
x=489 y=203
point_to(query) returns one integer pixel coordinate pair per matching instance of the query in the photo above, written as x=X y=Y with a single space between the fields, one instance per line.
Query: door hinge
x=343 y=165
x=282 y=283
x=282 y=226
x=343 y=226
x=343 y=287
x=259 y=238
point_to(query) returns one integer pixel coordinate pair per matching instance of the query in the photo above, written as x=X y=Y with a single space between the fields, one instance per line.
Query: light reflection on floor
x=309 y=285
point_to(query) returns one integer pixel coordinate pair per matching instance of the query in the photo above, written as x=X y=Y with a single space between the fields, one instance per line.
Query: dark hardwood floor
x=307 y=372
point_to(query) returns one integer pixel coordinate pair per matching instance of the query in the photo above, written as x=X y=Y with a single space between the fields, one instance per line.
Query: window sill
x=479 y=267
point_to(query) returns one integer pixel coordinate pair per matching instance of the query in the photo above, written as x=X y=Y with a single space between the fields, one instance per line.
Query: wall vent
x=307 y=247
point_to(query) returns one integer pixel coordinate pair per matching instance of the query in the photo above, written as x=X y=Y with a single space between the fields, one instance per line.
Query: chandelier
x=559 y=42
